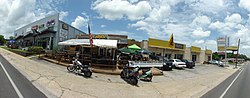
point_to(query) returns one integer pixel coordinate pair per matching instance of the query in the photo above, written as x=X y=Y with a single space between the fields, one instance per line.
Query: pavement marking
x=12 y=83
x=223 y=94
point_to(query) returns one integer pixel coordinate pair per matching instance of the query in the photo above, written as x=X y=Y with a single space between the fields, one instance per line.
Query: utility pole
x=237 y=53
x=225 y=50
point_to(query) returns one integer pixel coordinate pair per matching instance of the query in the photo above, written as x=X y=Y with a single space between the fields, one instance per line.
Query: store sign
x=179 y=46
x=65 y=26
x=50 y=23
x=63 y=35
x=157 y=43
x=34 y=27
x=208 y=51
x=222 y=42
x=233 y=48
x=100 y=36
x=195 y=49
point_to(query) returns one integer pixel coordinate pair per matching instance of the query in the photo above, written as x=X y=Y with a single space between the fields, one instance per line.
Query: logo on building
x=50 y=23
x=65 y=26
x=100 y=36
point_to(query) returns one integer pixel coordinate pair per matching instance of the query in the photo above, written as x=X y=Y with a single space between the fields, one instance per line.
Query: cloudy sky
x=193 y=22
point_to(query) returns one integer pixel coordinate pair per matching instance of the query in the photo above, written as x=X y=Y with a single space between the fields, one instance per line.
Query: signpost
x=237 y=54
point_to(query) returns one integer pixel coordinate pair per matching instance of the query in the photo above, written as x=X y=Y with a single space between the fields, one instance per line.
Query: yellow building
x=163 y=48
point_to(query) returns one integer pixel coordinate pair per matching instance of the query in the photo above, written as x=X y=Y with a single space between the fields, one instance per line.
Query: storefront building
x=161 y=48
x=205 y=55
x=46 y=32
x=193 y=53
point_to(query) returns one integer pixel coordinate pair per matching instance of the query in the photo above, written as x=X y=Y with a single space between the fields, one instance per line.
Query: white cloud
x=63 y=14
x=79 y=22
x=213 y=6
x=245 y=4
x=103 y=26
x=159 y=14
x=229 y=25
x=201 y=21
x=234 y=18
x=118 y=9
x=216 y=25
x=199 y=33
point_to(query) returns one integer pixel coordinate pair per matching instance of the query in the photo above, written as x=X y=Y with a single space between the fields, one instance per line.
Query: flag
x=90 y=36
x=171 y=41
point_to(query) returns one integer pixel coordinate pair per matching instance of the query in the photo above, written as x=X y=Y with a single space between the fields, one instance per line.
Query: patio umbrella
x=126 y=50
x=134 y=47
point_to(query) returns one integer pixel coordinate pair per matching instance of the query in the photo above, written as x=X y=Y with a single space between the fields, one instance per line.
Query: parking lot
x=55 y=81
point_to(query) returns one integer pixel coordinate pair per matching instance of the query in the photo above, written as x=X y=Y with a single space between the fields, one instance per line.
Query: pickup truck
x=145 y=64
x=167 y=64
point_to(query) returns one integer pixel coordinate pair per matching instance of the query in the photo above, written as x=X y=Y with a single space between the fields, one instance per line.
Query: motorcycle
x=131 y=74
x=79 y=68
x=146 y=75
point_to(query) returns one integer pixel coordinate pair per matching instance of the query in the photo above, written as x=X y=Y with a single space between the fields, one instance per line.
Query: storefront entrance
x=194 y=57
x=208 y=58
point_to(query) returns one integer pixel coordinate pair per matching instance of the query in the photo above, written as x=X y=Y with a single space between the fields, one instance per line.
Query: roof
x=96 y=42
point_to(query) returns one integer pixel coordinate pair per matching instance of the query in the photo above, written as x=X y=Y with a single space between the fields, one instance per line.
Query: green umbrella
x=126 y=50
x=134 y=47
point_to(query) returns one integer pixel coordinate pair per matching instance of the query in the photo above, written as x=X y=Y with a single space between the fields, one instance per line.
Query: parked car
x=221 y=64
x=167 y=64
x=213 y=62
x=189 y=64
x=178 y=63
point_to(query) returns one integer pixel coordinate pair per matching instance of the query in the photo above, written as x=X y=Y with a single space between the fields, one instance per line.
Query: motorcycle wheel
x=70 y=68
x=87 y=73
x=150 y=78
x=134 y=81
x=122 y=74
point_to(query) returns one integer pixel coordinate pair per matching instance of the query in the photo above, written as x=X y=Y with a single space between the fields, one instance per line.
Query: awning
x=96 y=42
x=134 y=46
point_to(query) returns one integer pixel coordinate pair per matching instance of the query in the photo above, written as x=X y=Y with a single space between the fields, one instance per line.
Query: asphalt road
x=235 y=86
x=14 y=85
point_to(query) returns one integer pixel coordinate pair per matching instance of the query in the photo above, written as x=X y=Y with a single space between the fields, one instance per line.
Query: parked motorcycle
x=130 y=74
x=146 y=75
x=79 y=68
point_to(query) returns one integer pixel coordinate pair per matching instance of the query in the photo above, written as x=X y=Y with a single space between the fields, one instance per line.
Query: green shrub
x=36 y=49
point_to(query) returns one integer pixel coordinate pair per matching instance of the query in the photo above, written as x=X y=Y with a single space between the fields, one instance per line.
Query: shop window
x=109 y=52
x=101 y=52
x=168 y=56
x=178 y=56
x=159 y=54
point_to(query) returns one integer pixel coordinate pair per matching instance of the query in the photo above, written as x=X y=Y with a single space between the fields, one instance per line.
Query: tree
x=2 y=40
x=11 y=37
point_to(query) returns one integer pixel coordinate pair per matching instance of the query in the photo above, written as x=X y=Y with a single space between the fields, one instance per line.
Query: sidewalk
x=55 y=82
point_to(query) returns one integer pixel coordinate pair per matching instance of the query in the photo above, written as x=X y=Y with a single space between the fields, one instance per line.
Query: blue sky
x=193 y=22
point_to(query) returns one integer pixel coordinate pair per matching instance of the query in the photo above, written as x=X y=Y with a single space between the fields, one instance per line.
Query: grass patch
x=19 y=51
